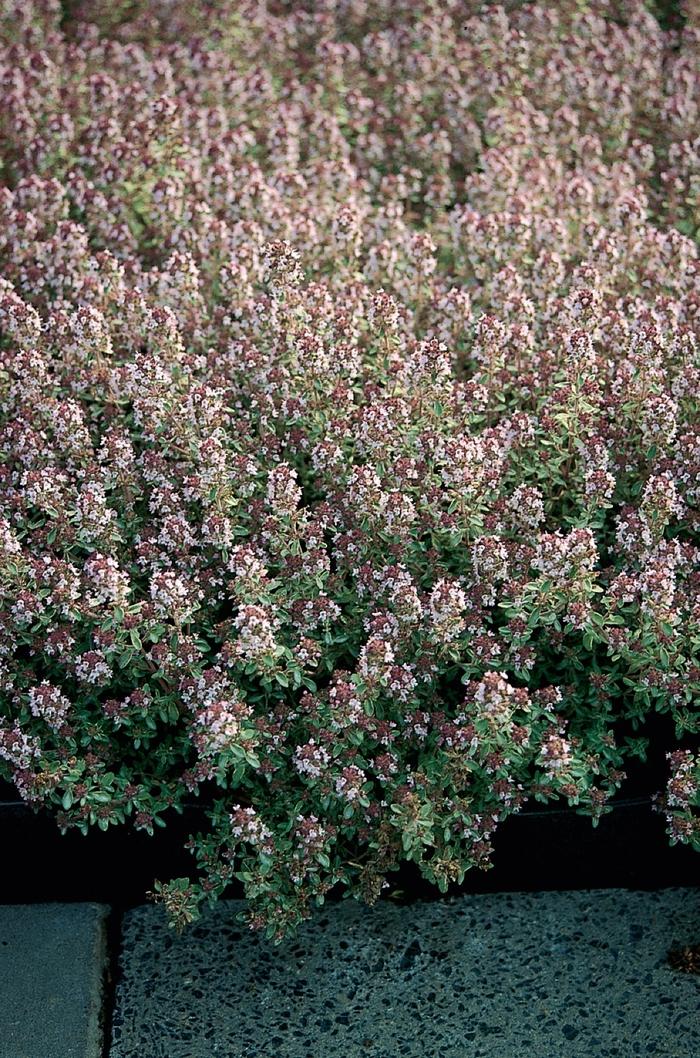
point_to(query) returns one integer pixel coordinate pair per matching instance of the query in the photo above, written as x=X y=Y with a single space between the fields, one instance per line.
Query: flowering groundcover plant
x=349 y=434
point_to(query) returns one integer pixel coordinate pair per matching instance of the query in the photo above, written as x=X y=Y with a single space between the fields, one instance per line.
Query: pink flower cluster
x=680 y=802
x=349 y=421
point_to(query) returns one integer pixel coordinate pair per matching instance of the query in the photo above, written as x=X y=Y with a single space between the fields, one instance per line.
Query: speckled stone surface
x=513 y=975
x=52 y=960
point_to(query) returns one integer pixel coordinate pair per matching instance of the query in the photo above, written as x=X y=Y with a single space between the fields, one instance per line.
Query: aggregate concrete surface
x=52 y=960
x=510 y=975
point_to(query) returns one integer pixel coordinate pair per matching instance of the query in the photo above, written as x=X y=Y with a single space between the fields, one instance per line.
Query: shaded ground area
x=481 y=976
x=52 y=959
x=511 y=975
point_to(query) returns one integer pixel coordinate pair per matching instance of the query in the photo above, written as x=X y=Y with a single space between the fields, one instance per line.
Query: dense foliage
x=349 y=433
